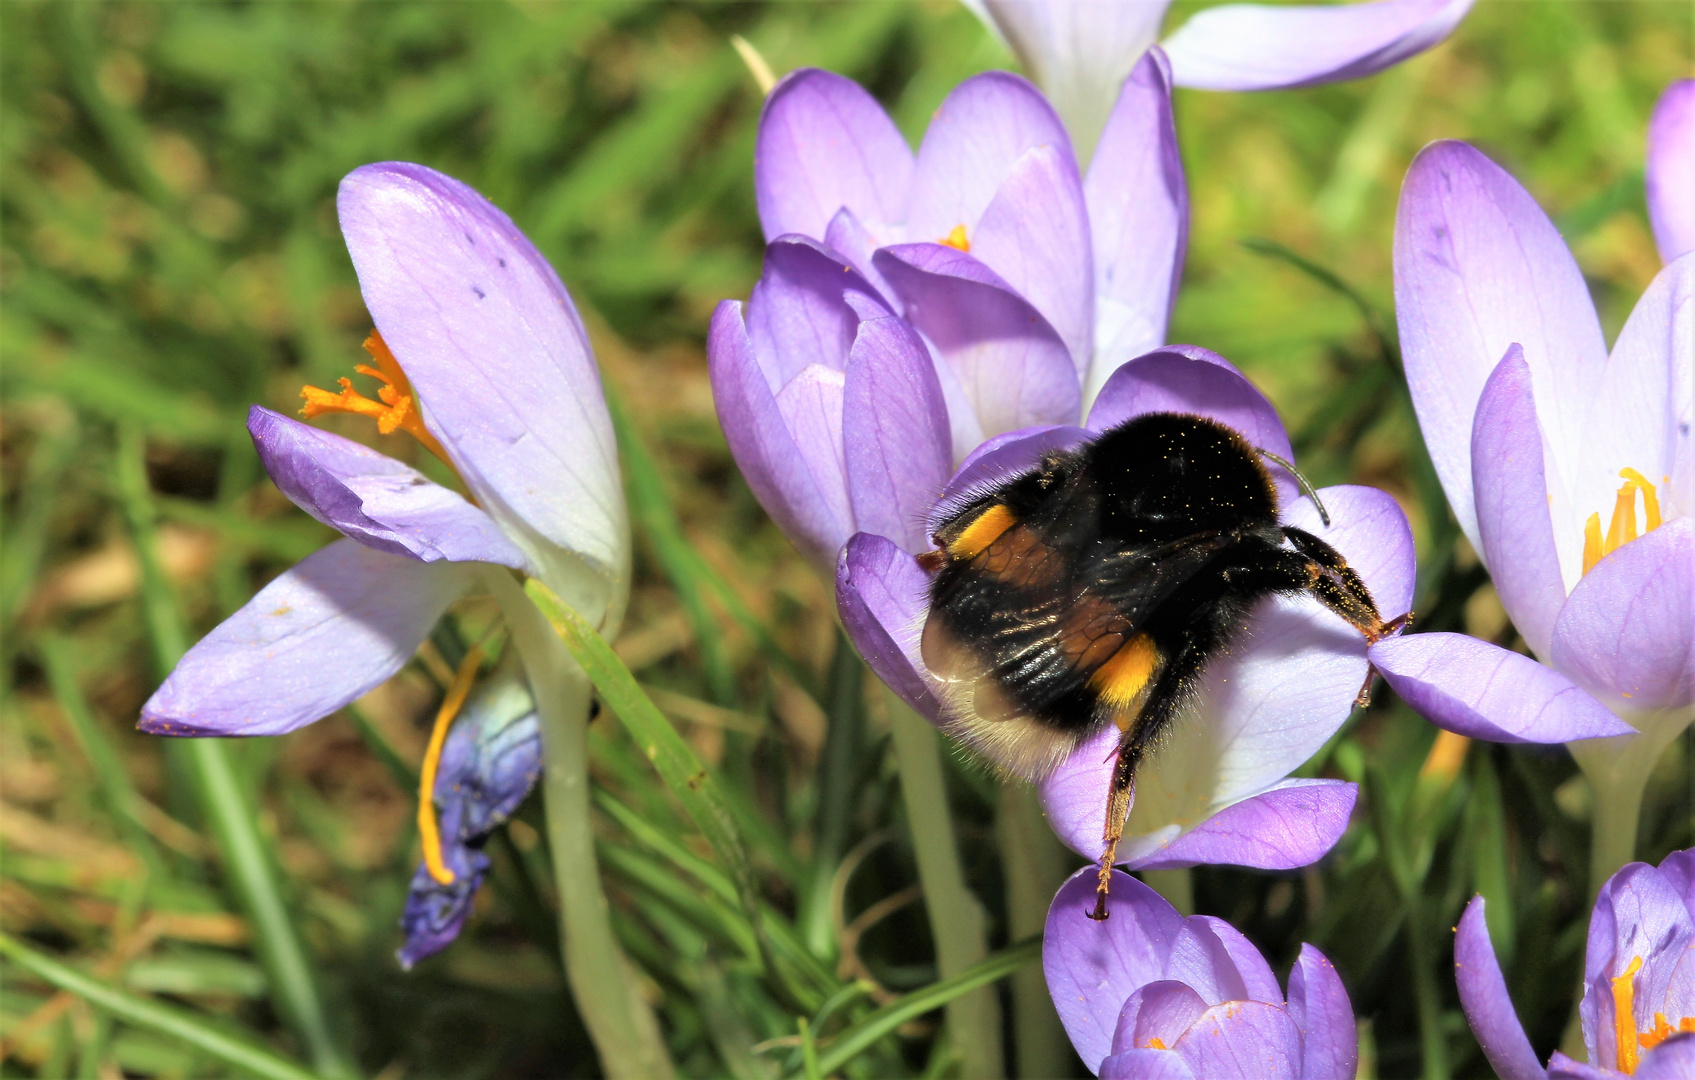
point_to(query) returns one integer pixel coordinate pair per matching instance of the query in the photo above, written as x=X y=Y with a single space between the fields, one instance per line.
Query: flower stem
x=1433 y=1039
x=1618 y=771
x=956 y=918
x=1033 y=864
x=619 y=1020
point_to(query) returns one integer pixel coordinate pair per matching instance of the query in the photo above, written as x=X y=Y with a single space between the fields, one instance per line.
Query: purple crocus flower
x=1571 y=471
x=1079 y=51
x=1152 y=994
x=1671 y=171
x=1638 y=1006
x=1217 y=790
x=483 y=356
x=489 y=763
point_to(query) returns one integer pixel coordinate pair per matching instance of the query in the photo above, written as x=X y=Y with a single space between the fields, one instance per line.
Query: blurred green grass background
x=169 y=254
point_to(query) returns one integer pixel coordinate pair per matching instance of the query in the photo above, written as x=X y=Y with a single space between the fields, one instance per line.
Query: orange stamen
x=1624 y=1016
x=395 y=409
x=1157 y=1044
x=1593 y=546
x=1650 y=499
x=428 y=831
x=956 y=239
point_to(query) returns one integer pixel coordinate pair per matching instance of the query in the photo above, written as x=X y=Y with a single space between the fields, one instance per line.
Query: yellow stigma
x=1622 y=529
x=396 y=409
x=1157 y=1044
x=428 y=832
x=956 y=239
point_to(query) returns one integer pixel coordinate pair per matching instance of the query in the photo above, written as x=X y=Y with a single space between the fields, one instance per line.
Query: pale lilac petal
x=372 y=498
x=895 y=432
x=1078 y=53
x=1189 y=379
x=1511 y=490
x=1247 y=1039
x=1295 y=824
x=1250 y=977
x=1483 y=691
x=501 y=363
x=1679 y=869
x=1013 y=368
x=983 y=127
x=824 y=143
x=1673 y=1059
x=1093 y=967
x=1561 y=1067
x=1073 y=796
x=1262 y=47
x=1035 y=235
x=1160 y=1010
x=1478 y=266
x=812 y=510
x=1319 y=1005
x=1671 y=170
x=1142 y=1064
x=1139 y=218
x=1627 y=632
x=319 y=636
x=882 y=596
x=848 y=236
x=800 y=312
x=1488 y=1008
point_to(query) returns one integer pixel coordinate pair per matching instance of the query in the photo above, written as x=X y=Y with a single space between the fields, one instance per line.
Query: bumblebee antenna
x=1302 y=482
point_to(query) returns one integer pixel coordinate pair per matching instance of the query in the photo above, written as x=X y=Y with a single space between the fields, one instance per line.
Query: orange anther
x=395 y=409
x=956 y=239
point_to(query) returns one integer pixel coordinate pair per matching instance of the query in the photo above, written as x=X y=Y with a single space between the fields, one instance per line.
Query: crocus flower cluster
x=1078 y=52
x=1638 y=1005
x=1151 y=994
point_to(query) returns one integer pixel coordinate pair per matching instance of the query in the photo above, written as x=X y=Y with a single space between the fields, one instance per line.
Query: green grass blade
x=165 y=1020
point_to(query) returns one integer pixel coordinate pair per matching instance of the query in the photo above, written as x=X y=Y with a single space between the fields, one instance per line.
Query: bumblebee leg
x=1345 y=579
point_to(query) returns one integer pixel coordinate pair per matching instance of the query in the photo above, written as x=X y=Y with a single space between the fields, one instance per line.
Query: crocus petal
x=895 y=432
x=983 y=127
x=1483 y=691
x=1014 y=369
x=1478 y=266
x=1228 y=965
x=1488 y=1008
x=1511 y=490
x=1190 y=379
x=491 y=758
x=1673 y=1059
x=1627 y=632
x=824 y=143
x=1160 y=1010
x=997 y=460
x=1319 y=1005
x=1144 y=1064
x=1671 y=170
x=799 y=313
x=1077 y=53
x=1561 y=1067
x=1679 y=869
x=1261 y=47
x=319 y=636
x=849 y=236
x=372 y=498
x=1138 y=215
x=1295 y=824
x=501 y=363
x=812 y=510
x=882 y=597
x=1247 y=1039
x=436 y=913
x=1092 y=967
x=1637 y=915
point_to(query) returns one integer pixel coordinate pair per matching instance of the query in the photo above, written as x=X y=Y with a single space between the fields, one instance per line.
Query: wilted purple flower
x=1638 y=1006
x=490 y=363
x=1149 y=993
x=1541 y=439
x=1217 y=790
x=1022 y=284
x=1671 y=171
x=489 y=763
x=1078 y=51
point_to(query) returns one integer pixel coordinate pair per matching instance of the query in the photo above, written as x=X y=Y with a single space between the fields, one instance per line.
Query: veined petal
x=1671 y=170
x=898 y=445
x=1265 y=47
x=1638 y=914
x=492 y=343
x=1138 y=216
x=985 y=125
x=1093 y=967
x=811 y=408
x=1078 y=53
x=1161 y=1010
x=1488 y=1008
x=1145 y=1065
x=1485 y=692
x=1319 y=1005
x=1013 y=368
x=882 y=597
x=322 y=634
x=372 y=498
x=1511 y=492
x=1247 y=1039
x=1478 y=266
x=1292 y=825
x=1228 y=966
x=825 y=143
x=1627 y=631
x=857 y=244
x=1673 y=1059
x=799 y=312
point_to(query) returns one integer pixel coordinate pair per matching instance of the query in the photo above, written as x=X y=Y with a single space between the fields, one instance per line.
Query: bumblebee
x=1095 y=589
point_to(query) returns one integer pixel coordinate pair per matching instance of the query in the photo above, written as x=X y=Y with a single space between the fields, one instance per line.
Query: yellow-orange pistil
x=956 y=239
x=1629 y=1041
x=428 y=832
x=396 y=407
x=1622 y=529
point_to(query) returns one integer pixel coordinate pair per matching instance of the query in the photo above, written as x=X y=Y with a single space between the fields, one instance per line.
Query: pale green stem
x=1033 y=864
x=956 y=918
x=1177 y=886
x=618 y=1018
